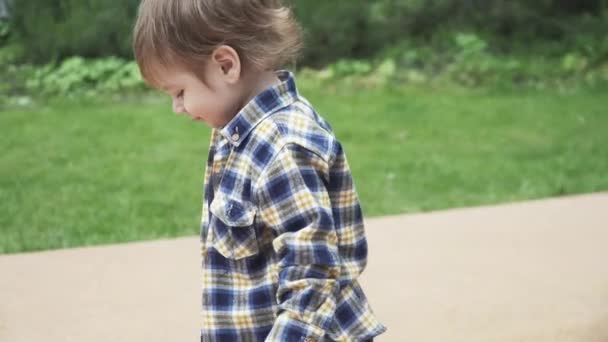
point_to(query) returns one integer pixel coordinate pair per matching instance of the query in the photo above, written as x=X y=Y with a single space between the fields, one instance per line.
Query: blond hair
x=263 y=32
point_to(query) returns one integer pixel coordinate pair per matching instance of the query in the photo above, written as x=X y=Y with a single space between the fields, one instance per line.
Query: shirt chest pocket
x=232 y=227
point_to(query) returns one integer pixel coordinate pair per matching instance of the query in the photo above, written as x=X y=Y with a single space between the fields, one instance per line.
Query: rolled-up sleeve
x=293 y=200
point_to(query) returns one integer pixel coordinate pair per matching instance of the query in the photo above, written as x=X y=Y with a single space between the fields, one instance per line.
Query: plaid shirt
x=282 y=236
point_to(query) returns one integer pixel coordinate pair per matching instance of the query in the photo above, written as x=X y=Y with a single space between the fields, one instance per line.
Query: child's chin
x=199 y=120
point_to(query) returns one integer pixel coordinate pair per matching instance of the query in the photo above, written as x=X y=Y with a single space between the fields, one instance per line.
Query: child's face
x=213 y=103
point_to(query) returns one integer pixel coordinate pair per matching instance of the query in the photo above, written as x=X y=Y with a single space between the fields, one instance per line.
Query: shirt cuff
x=287 y=328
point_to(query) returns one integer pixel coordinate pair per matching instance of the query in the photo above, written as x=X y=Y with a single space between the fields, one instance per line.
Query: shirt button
x=235 y=137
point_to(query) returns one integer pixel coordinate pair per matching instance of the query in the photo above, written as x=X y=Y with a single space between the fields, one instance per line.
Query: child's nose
x=178 y=106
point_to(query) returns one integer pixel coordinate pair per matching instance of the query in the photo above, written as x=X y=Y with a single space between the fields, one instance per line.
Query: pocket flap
x=232 y=228
x=232 y=211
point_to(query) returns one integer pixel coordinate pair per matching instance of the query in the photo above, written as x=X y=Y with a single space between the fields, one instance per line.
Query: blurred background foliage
x=335 y=29
x=59 y=46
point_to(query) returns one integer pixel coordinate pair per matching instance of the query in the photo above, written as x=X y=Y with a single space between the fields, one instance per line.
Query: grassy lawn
x=110 y=171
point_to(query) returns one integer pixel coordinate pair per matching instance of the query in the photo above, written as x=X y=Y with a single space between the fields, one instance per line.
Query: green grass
x=109 y=171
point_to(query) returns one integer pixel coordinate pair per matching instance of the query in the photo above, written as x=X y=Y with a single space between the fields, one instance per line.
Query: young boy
x=282 y=236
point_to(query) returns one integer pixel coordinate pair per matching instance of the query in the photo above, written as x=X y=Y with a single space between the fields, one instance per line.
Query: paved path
x=534 y=271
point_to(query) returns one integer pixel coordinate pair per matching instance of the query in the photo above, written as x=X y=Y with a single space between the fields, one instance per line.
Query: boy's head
x=209 y=54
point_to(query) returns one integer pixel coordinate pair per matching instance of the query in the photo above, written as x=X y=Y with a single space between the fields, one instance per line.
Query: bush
x=335 y=29
x=57 y=29
x=466 y=60
x=77 y=76
x=5 y=29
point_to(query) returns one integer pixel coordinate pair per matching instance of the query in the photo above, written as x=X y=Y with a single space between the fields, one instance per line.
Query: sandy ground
x=534 y=271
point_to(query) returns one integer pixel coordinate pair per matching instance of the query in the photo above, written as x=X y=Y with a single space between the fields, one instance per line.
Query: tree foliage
x=57 y=29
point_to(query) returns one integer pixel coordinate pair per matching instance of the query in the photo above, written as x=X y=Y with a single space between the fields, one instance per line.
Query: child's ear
x=227 y=60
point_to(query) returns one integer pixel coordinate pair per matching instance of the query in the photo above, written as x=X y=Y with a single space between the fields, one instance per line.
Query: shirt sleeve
x=293 y=200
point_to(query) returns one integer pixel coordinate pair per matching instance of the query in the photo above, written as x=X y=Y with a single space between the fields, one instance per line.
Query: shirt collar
x=263 y=104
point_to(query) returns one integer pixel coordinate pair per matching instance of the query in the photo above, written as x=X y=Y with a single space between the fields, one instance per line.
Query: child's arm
x=294 y=201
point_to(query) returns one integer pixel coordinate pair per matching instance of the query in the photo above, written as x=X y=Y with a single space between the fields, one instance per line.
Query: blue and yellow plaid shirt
x=282 y=235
